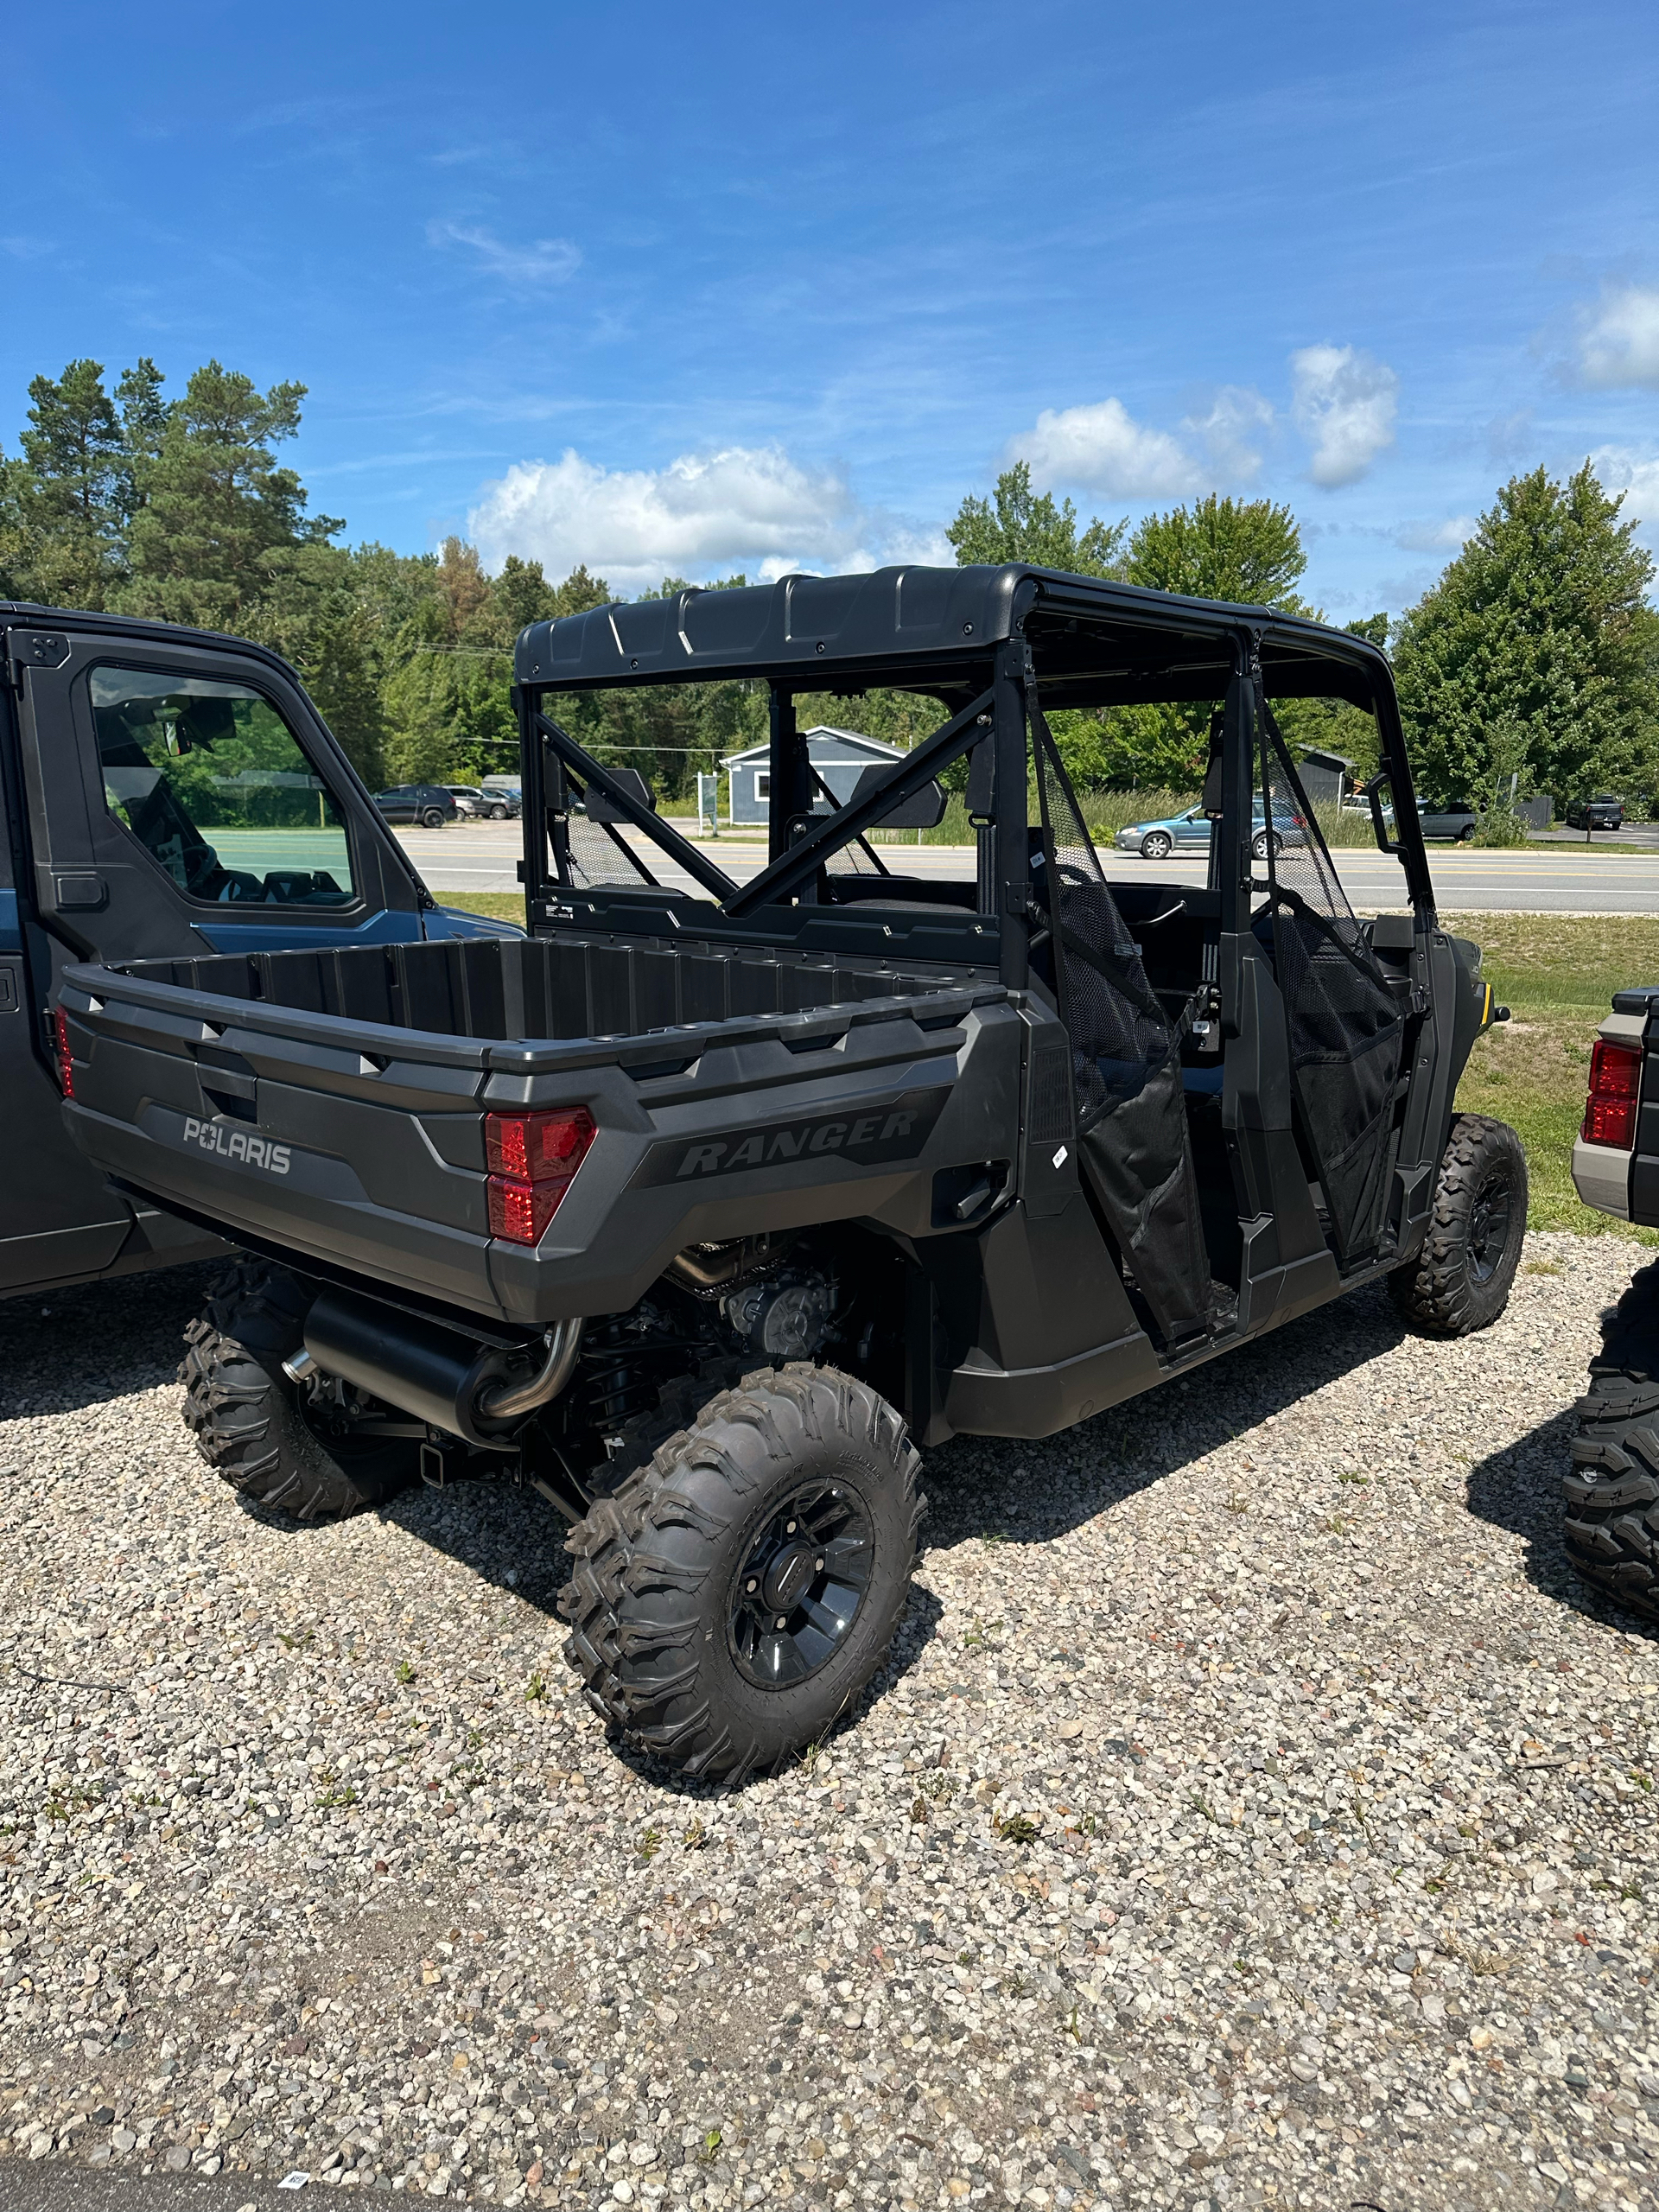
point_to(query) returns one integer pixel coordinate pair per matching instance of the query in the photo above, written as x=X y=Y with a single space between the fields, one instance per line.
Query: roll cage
x=998 y=647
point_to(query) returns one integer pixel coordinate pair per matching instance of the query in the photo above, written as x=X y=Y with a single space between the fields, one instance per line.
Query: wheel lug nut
x=789 y=1528
x=782 y=1620
x=752 y=1587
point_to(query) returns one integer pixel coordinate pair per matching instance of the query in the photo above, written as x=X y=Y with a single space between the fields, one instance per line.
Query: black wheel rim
x=1490 y=1224
x=798 y=1593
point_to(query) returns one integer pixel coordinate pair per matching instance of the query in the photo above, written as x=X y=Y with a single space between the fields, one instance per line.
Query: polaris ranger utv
x=692 y=1210
x=162 y=790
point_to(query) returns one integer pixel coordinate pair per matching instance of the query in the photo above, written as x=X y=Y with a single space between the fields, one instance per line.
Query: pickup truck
x=163 y=792
x=701 y=1208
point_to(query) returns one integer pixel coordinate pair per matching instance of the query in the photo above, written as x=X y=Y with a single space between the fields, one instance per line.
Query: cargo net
x=855 y=856
x=1346 y=1029
x=1120 y=1032
x=1133 y=1139
x=596 y=850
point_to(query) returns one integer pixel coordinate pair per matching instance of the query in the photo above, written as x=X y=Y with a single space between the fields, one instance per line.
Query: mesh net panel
x=1132 y=1130
x=1119 y=1031
x=597 y=854
x=1346 y=1029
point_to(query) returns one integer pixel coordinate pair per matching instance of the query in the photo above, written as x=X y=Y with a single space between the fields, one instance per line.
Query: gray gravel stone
x=1254 y=1811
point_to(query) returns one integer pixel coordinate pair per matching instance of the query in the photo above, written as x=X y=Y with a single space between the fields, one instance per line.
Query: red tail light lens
x=532 y=1160
x=60 y=1048
x=1615 y=1093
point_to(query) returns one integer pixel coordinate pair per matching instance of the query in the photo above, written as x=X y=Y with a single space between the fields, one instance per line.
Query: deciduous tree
x=1535 y=645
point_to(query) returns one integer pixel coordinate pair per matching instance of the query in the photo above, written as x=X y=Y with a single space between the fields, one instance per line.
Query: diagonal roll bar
x=700 y=870
x=802 y=862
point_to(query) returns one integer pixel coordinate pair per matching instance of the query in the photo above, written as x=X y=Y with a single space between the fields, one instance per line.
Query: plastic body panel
x=361 y=1142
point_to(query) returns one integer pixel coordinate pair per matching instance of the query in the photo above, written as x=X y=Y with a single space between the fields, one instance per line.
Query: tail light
x=60 y=1053
x=1615 y=1093
x=531 y=1158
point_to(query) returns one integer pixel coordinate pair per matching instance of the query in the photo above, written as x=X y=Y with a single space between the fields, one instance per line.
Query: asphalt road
x=1544 y=879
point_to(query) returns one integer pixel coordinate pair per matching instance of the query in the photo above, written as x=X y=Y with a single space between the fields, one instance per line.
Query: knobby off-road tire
x=1460 y=1280
x=247 y=1415
x=1612 y=1493
x=739 y=1589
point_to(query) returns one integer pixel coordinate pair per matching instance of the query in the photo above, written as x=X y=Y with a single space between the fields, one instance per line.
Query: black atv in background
x=167 y=792
x=693 y=1209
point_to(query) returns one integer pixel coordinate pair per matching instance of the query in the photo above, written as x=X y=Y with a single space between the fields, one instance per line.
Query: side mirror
x=923 y=810
x=601 y=808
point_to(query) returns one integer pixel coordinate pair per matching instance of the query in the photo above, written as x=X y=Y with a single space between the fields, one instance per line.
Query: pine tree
x=1531 y=655
x=218 y=514
x=70 y=485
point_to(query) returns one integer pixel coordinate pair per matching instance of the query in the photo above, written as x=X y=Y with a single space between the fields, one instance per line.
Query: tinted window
x=213 y=784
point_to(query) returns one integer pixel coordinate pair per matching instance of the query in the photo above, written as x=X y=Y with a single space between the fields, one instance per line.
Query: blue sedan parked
x=1156 y=841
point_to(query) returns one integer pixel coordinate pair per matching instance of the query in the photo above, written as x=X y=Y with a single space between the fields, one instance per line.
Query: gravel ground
x=1254 y=1812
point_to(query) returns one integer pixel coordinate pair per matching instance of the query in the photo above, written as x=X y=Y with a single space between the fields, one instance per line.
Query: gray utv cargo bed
x=331 y=1104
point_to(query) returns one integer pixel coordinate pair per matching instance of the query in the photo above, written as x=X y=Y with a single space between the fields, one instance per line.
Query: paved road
x=1548 y=879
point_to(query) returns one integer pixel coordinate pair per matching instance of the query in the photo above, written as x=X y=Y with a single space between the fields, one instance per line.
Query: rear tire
x=432 y=819
x=249 y=1419
x=1460 y=1280
x=791 y=1500
x=1612 y=1527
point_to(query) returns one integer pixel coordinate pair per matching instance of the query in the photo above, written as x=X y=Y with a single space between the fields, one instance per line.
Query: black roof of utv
x=933 y=629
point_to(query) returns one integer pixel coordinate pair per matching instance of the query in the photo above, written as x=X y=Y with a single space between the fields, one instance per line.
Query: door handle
x=80 y=892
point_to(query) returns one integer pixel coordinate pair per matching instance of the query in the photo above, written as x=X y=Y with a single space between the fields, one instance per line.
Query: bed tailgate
x=361 y=1147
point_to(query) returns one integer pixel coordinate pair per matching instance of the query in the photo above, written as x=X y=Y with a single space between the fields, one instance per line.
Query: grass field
x=1557 y=974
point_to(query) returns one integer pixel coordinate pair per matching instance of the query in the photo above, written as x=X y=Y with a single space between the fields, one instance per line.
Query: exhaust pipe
x=433 y=1373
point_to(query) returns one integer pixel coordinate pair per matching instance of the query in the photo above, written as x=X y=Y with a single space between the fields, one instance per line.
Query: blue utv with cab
x=167 y=794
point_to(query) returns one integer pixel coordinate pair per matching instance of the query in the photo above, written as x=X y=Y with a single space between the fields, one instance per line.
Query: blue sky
x=753 y=287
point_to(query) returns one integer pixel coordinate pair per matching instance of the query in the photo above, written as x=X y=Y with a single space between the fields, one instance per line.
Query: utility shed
x=1327 y=777
x=839 y=756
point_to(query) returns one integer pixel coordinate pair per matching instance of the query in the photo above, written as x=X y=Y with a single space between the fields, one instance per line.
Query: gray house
x=840 y=756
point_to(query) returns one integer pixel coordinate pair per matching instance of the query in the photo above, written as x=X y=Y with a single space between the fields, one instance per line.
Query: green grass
x=1557 y=974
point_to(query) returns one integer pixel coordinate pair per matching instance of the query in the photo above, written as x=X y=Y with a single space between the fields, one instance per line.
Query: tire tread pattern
x=1437 y=1292
x=1612 y=1492
x=243 y=1410
x=629 y=1603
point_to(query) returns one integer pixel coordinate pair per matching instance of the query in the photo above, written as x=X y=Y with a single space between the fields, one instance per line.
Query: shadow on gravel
x=64 y=1350
x=1519 y=1489
x=1028 y=1493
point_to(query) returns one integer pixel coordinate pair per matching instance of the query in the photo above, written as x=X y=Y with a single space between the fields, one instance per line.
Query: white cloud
x=544 y=261
x=744 y=508
x=1344 y=402
x=1430 y=537
x=1230 y=428
x=1617 y=469
x=1102 y=448
x=1619 y=342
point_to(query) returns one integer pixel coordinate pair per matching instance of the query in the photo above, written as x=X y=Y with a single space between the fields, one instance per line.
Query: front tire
x=1157 y=846
x=739 y=1590
x=1460 y=1280
x=497 y=814
x=250 y=1421
x=1612 y=1527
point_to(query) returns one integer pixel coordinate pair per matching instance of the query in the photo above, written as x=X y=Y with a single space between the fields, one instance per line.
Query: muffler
x=435 y=1374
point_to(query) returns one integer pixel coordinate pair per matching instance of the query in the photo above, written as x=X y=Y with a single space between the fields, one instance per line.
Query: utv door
x=180 y=798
